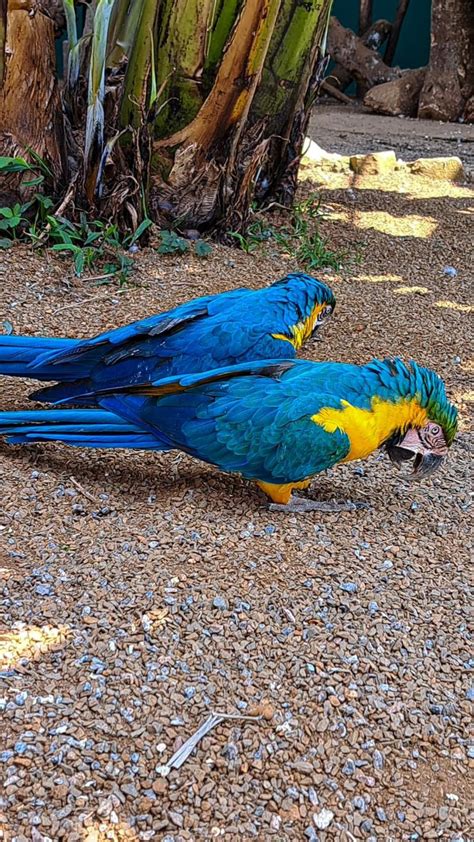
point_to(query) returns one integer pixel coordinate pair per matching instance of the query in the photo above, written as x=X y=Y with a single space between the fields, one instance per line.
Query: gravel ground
x=142 y=592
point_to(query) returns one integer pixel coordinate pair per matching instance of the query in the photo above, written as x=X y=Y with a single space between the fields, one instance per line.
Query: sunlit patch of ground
x=455 y=305
x=30 y=642
x=412 y=225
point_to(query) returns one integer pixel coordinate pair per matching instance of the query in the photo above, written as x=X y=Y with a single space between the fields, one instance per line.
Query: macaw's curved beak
x=426 y=460
x=425 y=464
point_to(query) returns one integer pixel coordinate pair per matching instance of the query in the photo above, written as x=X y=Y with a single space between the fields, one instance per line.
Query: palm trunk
x=195 y=108
x=245 y=140
x=30 y=108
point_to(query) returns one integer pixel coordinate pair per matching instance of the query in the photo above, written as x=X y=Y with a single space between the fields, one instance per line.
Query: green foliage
x=9 y=165
x=202 y=249
x=300 y=238
x=93 y=245
x=172 y=243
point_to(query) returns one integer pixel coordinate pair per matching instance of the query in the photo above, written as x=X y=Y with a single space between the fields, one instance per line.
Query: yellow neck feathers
x=367 y=429
x=301 y=331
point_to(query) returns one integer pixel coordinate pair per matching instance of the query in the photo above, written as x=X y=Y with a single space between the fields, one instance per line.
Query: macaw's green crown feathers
x=423 y=383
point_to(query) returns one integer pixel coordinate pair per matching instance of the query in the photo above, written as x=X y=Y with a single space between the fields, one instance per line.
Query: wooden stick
x=82 y=490
x=365 y=15
x=402 y=9
x=335 y=92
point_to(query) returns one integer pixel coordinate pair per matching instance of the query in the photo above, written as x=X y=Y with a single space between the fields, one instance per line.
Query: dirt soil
x=141 y=591
x=347 y=129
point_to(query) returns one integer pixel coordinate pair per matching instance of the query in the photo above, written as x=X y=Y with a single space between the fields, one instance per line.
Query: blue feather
x=255 y=418
x=202 y=334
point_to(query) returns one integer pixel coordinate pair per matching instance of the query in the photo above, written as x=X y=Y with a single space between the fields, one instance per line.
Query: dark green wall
x=414 y=44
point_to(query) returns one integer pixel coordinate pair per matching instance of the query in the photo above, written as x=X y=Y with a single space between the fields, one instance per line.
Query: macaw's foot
x=298 y=505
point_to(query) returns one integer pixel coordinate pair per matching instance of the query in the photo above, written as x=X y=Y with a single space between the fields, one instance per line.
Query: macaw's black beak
x=397 y=454
x=425 y=462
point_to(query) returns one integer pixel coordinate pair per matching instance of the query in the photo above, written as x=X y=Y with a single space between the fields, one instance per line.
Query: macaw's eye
x=325 y=312
x=435 y=429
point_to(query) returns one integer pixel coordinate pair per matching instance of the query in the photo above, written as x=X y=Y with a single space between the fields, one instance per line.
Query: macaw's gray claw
x=298 y=505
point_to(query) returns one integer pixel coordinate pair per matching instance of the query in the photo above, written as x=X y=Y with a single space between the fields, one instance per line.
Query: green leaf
x=40 y=163
x=66 y=247
x=8 y=165
x=34 y=181
x=7 y=224
x=92 y=237
x=6 y=212
x=73 y=64
x=202 y=249
x=171 y=243
x=79 y=261
x=95 y=121
x=5 y=244
x=137 y=234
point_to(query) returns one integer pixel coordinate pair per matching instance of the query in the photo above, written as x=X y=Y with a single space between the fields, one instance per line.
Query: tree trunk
x=30 y=108
x=195 y=108
x=247 y=135
x=365 y=15
x=449 y=81
x=364 y=65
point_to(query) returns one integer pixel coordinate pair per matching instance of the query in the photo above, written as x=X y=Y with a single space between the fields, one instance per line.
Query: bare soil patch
x=348 y=129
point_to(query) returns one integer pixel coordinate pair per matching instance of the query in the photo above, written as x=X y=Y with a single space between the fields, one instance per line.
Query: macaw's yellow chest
x=368 y=429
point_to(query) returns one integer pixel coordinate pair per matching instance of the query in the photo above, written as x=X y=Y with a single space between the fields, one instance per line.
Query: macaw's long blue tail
x=80 y=428
x=20 y=356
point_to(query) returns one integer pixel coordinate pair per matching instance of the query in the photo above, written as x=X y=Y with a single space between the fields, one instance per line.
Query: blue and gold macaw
x=205 y=333
x=276 y=422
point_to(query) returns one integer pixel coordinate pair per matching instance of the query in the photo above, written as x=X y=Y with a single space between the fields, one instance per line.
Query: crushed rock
x=173 y=592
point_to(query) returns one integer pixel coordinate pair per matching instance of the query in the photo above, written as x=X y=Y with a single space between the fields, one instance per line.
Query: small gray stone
x=359 y=803
x=43 y=590
x=348 y=587
x=129 y=789
x=219 y=602
x=378 y=759
x=176 y=818
x=349 y=767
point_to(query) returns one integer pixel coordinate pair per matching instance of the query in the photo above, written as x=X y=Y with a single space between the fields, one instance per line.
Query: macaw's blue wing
x=18 y=352
x=254 y=419
x=204 y=334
